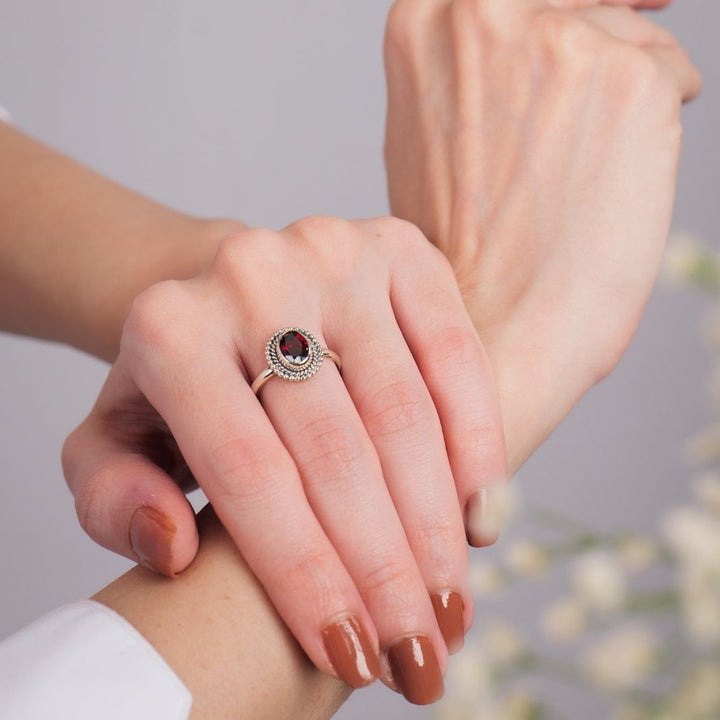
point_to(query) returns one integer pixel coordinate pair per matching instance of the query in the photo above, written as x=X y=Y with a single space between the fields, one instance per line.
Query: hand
x=537 y=147
x=338 y=491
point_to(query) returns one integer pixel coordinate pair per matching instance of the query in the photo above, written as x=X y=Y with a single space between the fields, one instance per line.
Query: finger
x=638 y=4
x=398 y=412
x=457 y=373
x=193 y=379
x=658 y=42
x=125 y=502
x=627 y=24
x=461 y=381
x=344 y=483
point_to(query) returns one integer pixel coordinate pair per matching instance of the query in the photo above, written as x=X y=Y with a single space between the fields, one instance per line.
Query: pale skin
x=519 y=343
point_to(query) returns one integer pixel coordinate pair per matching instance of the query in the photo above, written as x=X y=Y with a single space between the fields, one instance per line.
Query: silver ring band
x=293 y=354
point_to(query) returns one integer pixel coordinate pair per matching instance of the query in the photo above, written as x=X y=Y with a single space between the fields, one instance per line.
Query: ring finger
x=343 y=480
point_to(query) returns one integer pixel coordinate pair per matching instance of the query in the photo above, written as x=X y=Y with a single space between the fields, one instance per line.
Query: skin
x=344 y=501
x=556 y=229
x=218 y=630
x=665 y=82
x=78 y=248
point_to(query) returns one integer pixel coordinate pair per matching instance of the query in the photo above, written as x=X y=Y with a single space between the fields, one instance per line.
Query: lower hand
x=345 y=495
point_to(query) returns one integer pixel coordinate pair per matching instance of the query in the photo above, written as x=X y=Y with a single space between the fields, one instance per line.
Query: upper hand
x=344 y=494
x=536 y=144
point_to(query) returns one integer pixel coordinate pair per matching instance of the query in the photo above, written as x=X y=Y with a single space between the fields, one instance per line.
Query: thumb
x=128 y=504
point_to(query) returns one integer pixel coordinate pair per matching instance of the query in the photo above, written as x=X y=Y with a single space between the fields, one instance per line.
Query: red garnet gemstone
x=294 y=347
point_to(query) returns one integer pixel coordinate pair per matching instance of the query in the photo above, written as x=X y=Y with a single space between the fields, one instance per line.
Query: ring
x=293 y=354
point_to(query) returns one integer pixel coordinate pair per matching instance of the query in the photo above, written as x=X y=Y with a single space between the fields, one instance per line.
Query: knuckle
x=491 y=17
x=321 y=228
x=565 y=43
x=329 y=448
x=439 y=542
x=402 y=26
x=245 y=255
x=398 y=409
x=400 y=230
x=312 y=570
x=631 y=73
x=332 y=244
x=462 y=349
x=89 y=506
x=631 y=79
x=157 y=316
x=71 y=450
x=248 y=467
x=389 y=574
x=485 y=440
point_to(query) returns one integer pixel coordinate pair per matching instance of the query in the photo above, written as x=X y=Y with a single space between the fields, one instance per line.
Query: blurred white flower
x=637 y=552
x=471 y=679
x=682 y=257
x=485 y=579
x=503 y=642
x=622 y=659
x=699 y=693
x=707 y=490
x=517 y=704
x=527 y=559
x=694 y=535
x=564 y=620
x=701 y=610
x=499 y=504
x=599 y=581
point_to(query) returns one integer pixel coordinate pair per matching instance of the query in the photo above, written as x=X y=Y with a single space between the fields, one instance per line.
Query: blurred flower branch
x=636 y=624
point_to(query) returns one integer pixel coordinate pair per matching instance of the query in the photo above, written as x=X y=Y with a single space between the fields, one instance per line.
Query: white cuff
x=83 y=662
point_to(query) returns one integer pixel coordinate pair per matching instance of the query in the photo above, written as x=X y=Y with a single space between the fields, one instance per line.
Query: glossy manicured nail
x=416 y=670
x=480 y=522
x=448 y=606
x=351 y=652
x=151 y=537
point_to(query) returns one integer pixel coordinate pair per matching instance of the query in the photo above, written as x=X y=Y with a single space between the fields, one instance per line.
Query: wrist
x=178 y=249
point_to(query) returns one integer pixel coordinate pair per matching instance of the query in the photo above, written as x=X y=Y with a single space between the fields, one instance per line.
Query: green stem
x=556 y=520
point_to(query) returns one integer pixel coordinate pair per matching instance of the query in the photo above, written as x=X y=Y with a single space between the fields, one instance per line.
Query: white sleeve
x=4 y=115
x=85 y=662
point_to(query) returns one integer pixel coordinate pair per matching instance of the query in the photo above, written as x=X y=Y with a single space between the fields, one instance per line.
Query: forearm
x=216 y=628
x=76 y=248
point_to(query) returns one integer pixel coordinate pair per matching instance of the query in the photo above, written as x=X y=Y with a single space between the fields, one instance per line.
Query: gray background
x=268 y=111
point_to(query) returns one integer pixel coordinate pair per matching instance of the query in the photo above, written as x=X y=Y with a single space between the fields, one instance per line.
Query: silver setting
x=282 y=367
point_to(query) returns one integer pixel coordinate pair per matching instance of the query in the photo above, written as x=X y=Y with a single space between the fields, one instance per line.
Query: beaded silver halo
x=294 y=367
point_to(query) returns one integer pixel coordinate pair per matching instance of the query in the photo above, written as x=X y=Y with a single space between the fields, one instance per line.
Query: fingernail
x=351 y=652
x=449 y=607
x=480 y=523
x=151 y=537
x=416 y=670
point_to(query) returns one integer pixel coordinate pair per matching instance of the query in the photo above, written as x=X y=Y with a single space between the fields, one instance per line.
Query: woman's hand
x=537 y=146
x=339 y=490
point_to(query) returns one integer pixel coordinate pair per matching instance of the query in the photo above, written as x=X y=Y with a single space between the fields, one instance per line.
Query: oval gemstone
x=294 y=347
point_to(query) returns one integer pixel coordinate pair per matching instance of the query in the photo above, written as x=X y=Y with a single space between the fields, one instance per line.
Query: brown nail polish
x=151 y=537
x=416 y=670
x=448 y=606
x=351 y=652
x=481 y=527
